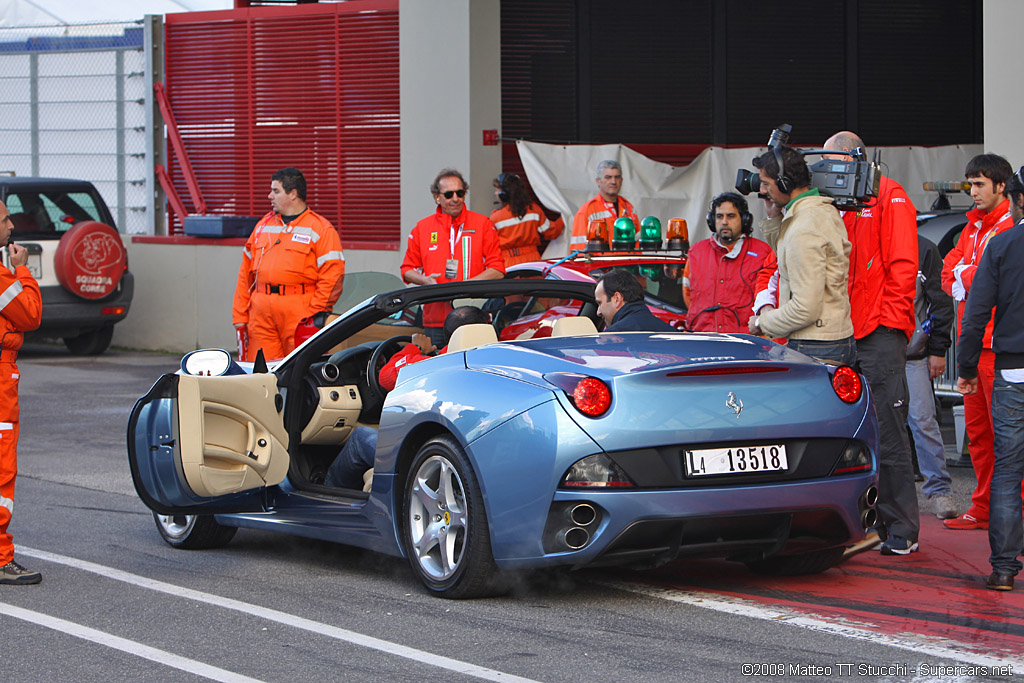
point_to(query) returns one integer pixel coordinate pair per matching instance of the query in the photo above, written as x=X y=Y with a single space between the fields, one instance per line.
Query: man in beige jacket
x=814 y=260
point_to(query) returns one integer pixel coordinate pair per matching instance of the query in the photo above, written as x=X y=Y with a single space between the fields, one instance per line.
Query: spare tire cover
x=90 y=260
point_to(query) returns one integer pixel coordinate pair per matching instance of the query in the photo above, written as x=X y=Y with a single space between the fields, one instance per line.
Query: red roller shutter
x=312 y=86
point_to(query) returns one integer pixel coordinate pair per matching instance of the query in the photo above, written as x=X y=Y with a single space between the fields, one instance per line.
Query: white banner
x=563 y=177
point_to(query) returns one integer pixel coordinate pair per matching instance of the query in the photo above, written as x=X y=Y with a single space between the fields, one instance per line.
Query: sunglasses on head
x=450 y=193
x=1019 y=175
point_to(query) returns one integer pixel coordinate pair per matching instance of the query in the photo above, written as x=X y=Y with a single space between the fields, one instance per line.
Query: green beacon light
x=650 y=233
x=623 y=234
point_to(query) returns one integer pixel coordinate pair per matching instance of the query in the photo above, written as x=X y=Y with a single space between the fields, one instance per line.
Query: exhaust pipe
x=871 y=496
x=869 y=518
x=583 y=514
x=575 y=537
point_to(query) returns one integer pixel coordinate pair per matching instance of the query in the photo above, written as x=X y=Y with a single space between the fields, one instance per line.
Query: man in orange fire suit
x=520 y=222
x=20 y=311
x=987 y=175
x=450 y=245
x=292 y=267
x=607 y=205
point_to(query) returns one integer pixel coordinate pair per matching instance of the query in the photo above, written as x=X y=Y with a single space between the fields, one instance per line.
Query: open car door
x=208 y=444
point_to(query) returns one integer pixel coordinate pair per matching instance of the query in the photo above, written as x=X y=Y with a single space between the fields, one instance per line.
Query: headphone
x=502 y=193
x=782 y=181
x=740 y=203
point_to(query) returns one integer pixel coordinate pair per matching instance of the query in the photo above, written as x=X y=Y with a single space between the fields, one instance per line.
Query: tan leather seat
x=470 y=336
x=572 y=326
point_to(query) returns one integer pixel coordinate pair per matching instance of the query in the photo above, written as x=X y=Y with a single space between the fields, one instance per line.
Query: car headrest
x=24 y=223
x=469 y=336
x=573 y=325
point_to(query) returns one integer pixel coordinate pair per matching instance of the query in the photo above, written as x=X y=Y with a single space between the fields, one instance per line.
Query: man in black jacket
x=999 y=282
x=926 y=360
x=620 y=301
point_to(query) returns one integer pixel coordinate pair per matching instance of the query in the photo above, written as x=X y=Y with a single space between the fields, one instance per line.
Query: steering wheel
x=378 y=359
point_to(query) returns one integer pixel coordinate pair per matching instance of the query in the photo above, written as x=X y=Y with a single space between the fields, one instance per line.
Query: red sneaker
x=966 y=522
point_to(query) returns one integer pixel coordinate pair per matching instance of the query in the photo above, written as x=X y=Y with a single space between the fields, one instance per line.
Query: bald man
x=883 y=282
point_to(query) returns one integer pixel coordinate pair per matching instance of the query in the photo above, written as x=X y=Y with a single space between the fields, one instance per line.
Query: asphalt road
x=116 y=603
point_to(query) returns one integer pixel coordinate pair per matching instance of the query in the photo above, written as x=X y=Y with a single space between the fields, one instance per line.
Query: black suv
x=75 y=254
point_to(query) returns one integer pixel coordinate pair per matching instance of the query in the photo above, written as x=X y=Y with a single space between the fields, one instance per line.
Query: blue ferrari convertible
x=558 y=446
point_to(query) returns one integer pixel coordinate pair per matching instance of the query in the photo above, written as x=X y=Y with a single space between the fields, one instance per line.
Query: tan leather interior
x=230 y=435
x=573 y=325
x=336 y=413
x=470 y=336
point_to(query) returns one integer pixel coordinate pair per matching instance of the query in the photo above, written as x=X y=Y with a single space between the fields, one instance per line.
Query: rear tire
x=193 y=532
x=91 y=343
x=444 y=524
x=804 y=563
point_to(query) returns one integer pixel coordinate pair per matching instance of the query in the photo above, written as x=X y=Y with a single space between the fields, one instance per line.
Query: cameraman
x=722 y=271
x=814 y=257
x=883 y=282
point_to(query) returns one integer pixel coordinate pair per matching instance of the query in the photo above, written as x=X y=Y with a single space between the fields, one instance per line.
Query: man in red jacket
x=883 y=283
x=20 y=311
x=722 y=271
x=987 y=174
x=450 y=245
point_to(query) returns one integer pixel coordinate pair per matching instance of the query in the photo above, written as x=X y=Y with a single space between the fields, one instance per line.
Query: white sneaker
x=944 y=507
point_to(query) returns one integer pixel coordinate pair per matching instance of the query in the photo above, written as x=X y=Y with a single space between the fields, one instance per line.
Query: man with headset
x=720 y=278
x=883 y=282
x=813 y=253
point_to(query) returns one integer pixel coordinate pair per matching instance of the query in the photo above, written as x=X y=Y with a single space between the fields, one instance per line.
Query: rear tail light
x=112 y=310
x=596 y=471
x=855 y=458
x=847 y=384
x=589 y=395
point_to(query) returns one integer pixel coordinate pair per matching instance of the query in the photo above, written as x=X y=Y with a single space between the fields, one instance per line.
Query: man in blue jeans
x=926 y=360
x=999 y=282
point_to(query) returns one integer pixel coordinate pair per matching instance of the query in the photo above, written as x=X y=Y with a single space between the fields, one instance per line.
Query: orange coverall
x=289 y=271
x=596 y=210
x=520 y=236
x=20 y=311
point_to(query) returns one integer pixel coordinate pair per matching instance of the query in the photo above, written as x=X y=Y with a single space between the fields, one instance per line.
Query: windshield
x=663 y=282
x=53 y=211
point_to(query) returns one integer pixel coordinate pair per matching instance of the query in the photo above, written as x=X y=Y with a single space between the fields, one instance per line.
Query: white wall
x=1002 y=26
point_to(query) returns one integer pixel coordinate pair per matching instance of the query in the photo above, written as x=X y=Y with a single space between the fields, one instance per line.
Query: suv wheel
x=91 y=343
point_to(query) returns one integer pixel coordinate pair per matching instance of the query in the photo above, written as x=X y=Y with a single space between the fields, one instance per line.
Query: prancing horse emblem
x=735 y=404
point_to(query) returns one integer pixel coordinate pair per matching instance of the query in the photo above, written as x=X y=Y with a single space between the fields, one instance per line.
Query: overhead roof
x=62 y=12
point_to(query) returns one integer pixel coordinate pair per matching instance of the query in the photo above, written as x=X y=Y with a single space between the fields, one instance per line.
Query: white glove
x=958 y=273
x=959 y=293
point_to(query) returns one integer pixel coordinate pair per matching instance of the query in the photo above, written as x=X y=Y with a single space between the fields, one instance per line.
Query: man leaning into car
x=20 y=311
x=620 y=301
x=292 y=268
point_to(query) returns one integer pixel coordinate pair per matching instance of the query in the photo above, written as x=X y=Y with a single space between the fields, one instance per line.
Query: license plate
x=35 y=265
x=741 y=460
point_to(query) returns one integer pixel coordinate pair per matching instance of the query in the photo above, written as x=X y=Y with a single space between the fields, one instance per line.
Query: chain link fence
x=73 y=105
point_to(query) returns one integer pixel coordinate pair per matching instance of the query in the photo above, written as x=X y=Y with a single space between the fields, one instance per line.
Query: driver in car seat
x=357 y=454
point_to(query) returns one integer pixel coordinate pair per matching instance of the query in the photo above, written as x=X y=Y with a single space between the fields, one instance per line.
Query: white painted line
x=129 y=646
x=746 y=608
x=277 y=616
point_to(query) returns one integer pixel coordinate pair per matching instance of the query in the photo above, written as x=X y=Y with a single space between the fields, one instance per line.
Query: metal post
x=122 y=210
x=33 y=110
x=155 y=151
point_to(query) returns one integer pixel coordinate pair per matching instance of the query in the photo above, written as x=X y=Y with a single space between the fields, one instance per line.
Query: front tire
x=444 y=524
x=193 y=532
